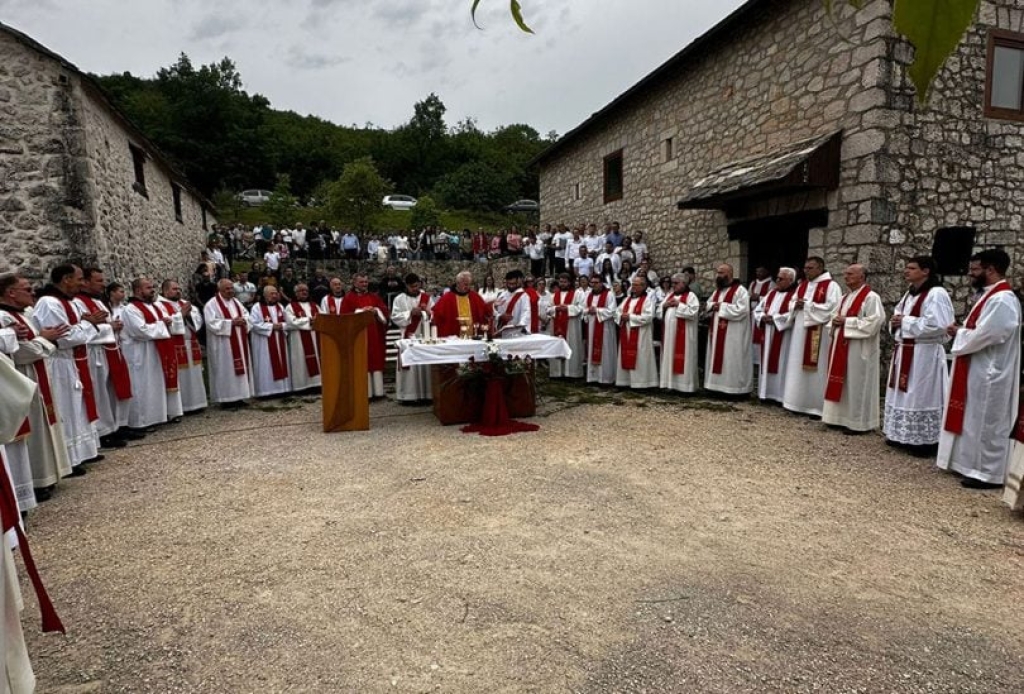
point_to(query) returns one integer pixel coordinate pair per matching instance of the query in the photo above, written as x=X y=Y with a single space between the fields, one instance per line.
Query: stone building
x=784 y=132
x=79 y=182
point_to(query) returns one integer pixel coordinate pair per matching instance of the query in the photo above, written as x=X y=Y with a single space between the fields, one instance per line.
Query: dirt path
x=634 y=548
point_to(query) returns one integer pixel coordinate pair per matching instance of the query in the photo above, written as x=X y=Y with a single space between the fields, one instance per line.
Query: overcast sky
x=368 y=61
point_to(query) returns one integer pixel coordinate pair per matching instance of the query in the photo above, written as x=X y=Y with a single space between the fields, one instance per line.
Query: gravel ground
x=634 y=545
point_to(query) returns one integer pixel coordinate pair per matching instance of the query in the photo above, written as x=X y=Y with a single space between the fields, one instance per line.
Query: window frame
x=613 y=195
x=176 y=199
x=1006 y=39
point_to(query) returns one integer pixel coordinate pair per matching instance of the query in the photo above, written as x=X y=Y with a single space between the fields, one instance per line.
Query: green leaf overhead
x=935 y=27
x=517 y=14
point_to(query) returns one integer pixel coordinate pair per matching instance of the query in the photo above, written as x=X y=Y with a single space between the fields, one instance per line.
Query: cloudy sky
x=368 y=61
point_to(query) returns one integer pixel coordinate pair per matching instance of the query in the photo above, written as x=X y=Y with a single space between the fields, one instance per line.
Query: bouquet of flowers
x=494 y=365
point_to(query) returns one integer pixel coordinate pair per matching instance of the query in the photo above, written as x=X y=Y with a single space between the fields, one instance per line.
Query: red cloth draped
x=182 y=348
x=164 y=347
x=812 y=335
x=116 y=364
x=334 y=305
x=376 y=334
x=597 y=344
x=723 y=328
x=775 y=348
x=306 y=337
x=766 y=287
x=961 y=366
x=276 y=343
x=510 y=308
x=534 y=309
x=838 y=359
x=629 y=338
x=239 y=343
x=679 y=349
x=10 y=518
x=561 y=321
x=81 y=355
x=906 y=350
x=414 y=322
x=446 y=313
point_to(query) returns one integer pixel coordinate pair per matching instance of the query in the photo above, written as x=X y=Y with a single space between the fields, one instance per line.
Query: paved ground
x=629 y=546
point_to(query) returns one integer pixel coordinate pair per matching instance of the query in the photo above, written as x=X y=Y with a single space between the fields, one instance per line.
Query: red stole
x=376 y=334
x=276 y=343
x=679 y=349
x=905 y=350
x=961 y=366
x=597 y=344
x=334 y=304
x=182 y=350
x=838 y=359
x=560 y=325
x=239 y=345
x=758 y=331
x=164 y=347
x=812 y=334
x=116 y=364
x=11 y=519
x=42 y=380
x=534 y=309
x=512 y=304
x=722 y=329
x=775 y=348
x=81 y=355
x=414 y=323
x=306 y=337
x=629 y=338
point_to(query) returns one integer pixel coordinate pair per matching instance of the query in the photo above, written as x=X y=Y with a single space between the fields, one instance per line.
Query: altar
x=460 y=398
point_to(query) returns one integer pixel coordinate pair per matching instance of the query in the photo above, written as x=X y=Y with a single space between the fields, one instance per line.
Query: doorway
x=776 y=242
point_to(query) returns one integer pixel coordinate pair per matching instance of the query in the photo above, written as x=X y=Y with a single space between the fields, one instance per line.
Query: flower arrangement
x=493 y=365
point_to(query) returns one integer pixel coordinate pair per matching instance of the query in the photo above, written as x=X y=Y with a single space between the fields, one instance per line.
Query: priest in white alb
x=637 y=365
x=512 y=312
x=981 y=406
x=331 y=304
x=679 y=364
x=565 y=312
x=602 y=343
x=411 y=313
x=729 y=368
x=918 y=373
x=269 y=342
x=227 y=347
x=758 y=289
x=817 y=300
x=775 y=315
x=186 y=322
x=851 y=386
x=148 y=348
x=303 y=342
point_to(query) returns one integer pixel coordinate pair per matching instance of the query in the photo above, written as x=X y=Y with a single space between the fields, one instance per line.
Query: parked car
x=523 y=206
x=254 y=197
x=399 y=202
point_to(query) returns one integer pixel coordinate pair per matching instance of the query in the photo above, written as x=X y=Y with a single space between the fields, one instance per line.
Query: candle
x=433 y=332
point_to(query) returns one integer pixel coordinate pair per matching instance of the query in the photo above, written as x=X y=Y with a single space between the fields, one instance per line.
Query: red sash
x=11 y=519
x=414 y=323
x=333 y=308
x=182 y=349
x=560 y=326
x=758 y=332
x=961 y=365
x=534 y=309
x=164 y=347
x=629 y=338
x=723 y=328
x=812 y=334
x=306 y=337
x=116 y=365
x=276 y=343
x=775 y=348
x=512 y=304
x=597 y=344
x=42 y=380
x=906 y=350
x=81 y=355
x=838 y=358
x=679 y=349
x=239 y=345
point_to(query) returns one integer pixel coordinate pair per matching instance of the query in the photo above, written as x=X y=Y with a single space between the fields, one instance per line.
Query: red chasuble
x=597 y=345
x=838 y=359
x=276 y=342
x=961 y=366
x=81 y=355
x=812 y=334
x=164 y=347
x=906 y=350
x=722 y=330
x=306 y=337
x=376 y=333
x=561 y=321
x=239 y=343
x=629 y=338
x=775 y=348
x=446 y=313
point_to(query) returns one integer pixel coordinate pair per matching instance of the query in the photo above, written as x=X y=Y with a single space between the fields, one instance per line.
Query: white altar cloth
x=454 y=350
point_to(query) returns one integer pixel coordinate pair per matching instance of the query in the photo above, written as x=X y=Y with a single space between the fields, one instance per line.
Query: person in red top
x=361 y=299
x=461 y=302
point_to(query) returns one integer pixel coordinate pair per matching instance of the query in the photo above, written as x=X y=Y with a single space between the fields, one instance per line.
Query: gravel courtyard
x=631 y=545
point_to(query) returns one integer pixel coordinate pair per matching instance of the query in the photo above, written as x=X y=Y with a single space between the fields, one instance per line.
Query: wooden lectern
x=346 y=400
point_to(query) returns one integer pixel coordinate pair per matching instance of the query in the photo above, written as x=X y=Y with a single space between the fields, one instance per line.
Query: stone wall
x=66 y=176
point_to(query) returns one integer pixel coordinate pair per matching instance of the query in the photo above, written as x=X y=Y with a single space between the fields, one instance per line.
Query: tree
x=475 y=186
x=934 y=27
x=280 y=209
x=425 y=214
x=355 y=197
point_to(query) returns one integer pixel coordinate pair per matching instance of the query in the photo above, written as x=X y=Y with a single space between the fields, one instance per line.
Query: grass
x=389 y=220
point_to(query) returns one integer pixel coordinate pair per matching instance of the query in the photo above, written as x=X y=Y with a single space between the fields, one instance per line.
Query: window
x=952 y=250
x=176 y=194
x=202 y=209
x=666 y=150
x=1004 y=75
x=613 y=177
x=576 y=192
x=139 y=161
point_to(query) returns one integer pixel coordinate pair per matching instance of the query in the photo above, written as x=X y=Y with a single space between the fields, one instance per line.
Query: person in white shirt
x=245 y=291
x=273 y=260
x=610 y=255
x=593 y=241
x=560 y=242
x=639 y=246
x=583 y=266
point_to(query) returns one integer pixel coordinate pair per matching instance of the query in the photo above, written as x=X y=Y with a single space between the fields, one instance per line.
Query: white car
x=399 y=202
x=254 y=197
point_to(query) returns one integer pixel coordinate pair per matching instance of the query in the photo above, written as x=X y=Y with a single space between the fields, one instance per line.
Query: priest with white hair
x=679 y=310
x=269 y=345
x=775 y=315
x=227 y=347
x=303 y=345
